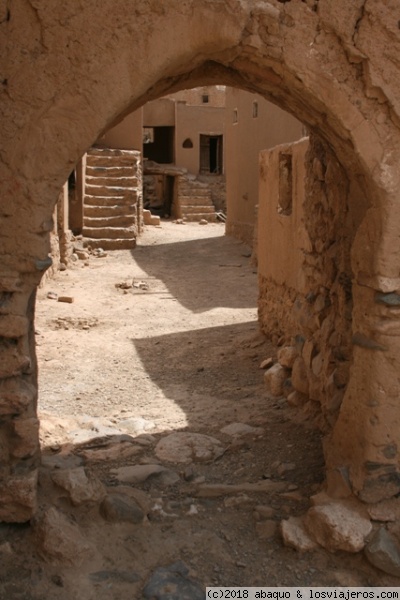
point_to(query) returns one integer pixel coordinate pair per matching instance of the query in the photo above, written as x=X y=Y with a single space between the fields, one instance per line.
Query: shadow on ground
x=193 y=271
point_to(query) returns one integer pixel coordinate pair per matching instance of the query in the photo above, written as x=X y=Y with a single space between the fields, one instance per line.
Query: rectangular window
x=205 y=99
x=235 y=115
x=285 y=184
x=255 y=110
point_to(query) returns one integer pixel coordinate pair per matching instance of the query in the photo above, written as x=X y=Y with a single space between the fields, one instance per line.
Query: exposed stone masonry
x=319 y=322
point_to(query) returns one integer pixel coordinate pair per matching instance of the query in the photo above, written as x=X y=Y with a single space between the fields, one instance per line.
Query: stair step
x=197 y=209
x=109 y=233
x=109 y=200
x=112 y=152
x=109 y=171
x=106 y=244
x=195 y=217
x=195 y=201
x=192 y=191
x=110 y=161
x=114 y=182
x=108 y=211
x=116 y=221
x=103 y=190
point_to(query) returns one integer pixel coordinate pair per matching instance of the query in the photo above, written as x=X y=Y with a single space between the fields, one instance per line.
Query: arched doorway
x=79 y=73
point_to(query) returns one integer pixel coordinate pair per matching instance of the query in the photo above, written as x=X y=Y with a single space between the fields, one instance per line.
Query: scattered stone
x=99 y=253
x=172 y=583
x=275 y=378
x=116 y=451
x=295 y=535
x=337 y=526
x=62 y=267
x=68 y=299
x=60 y=540
x=267 y=363
x=136 y=425
x=387 y=510
x=141 y=285
x=184 y=447
x=52 y=295
x=140 y=473
x=286 y=356
x=61 y=461
x=296 y=399
x=141 y=498
x=266 y=529
x=119 y=508
x=214 y=490
x=237 y=501
x=203 y=222
x=82 y=254
x=124 y=285
x=239 y=429
x=81 y=488
x=299 y=376
x=383 y=552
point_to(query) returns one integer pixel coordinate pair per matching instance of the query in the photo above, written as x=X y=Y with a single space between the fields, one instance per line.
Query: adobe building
x=330 y=63
x=214 y=133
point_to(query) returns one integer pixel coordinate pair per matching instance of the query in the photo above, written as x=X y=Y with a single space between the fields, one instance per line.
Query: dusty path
x=177 y=350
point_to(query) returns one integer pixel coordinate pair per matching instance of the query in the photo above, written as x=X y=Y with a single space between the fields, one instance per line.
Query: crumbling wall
x=305 y=278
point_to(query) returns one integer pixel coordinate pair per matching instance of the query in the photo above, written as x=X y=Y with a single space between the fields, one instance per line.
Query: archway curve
x=316 y=59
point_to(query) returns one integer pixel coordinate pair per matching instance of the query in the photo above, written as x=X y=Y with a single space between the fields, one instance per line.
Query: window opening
x=285 y=200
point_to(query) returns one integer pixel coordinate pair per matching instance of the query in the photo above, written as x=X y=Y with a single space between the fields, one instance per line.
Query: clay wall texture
x=304 y=270
x=252 y=125
x=69 y=71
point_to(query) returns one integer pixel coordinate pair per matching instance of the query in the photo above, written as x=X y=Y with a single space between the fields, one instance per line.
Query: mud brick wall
x=309 y=304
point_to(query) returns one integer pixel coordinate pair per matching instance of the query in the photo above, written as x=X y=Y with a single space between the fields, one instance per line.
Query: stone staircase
x=194 y=198
x=112 y=205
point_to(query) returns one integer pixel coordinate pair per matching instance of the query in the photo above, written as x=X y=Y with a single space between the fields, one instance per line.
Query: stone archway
x=70 y=71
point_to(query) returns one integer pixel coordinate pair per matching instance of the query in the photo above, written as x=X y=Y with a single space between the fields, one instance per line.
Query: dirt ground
x=160 y=340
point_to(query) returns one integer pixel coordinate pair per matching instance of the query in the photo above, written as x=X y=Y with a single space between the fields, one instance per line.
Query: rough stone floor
x=165 y=461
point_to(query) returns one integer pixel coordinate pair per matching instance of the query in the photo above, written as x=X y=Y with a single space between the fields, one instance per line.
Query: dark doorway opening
x=211 y=154
x=160 y=145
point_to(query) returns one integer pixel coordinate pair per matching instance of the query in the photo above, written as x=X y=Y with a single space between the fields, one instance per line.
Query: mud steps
x=194 y=199
x=112 y=189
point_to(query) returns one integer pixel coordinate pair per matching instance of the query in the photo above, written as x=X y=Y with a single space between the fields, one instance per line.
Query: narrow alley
x=165 y=461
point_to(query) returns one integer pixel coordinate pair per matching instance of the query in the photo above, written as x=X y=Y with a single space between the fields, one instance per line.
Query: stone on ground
x=286 y=356
x=337 y=526
x=119 y=508
x=172 y=583
x=239 y=429
x=383 y=552
x=184 y=447
x=80 y=487
x=59 y=540
x=295 y=535
x=139 y=473
x=275 y=378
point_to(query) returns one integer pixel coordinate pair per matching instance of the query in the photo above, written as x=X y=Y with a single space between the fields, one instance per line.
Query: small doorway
x=211 y=154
